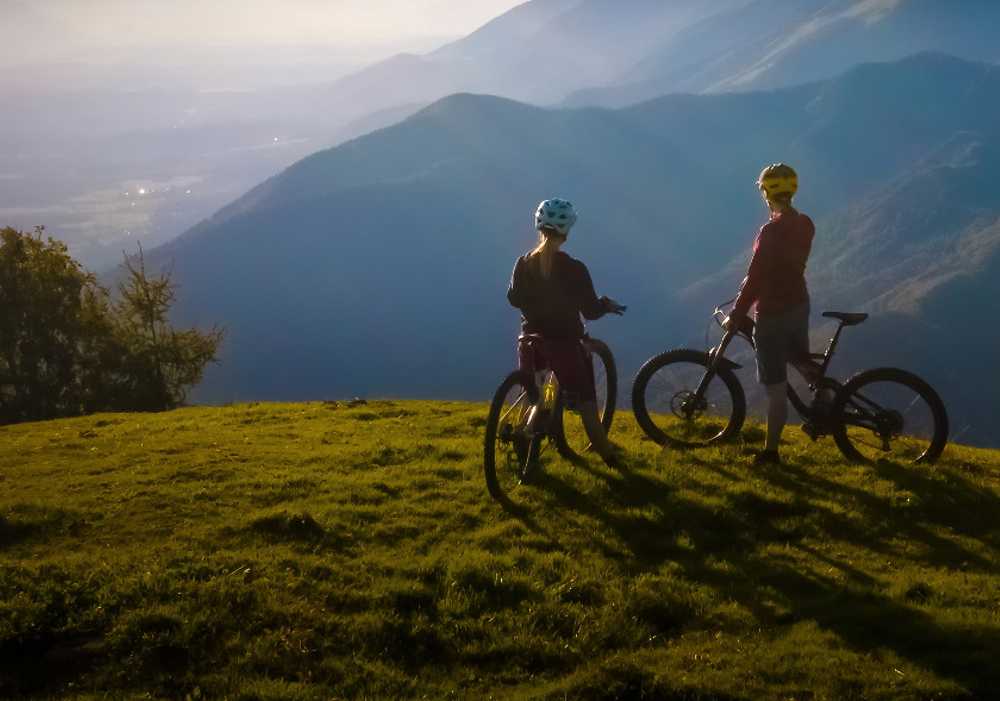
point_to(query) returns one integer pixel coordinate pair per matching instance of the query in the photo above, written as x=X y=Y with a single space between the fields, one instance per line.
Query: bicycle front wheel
x=890 y=414
x=569 y=434
x=666 y=405
x=508 y=448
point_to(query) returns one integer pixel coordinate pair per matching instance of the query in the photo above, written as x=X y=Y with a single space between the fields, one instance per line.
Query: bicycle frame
x=717 y=355
x=545 y=378
x=882 y=403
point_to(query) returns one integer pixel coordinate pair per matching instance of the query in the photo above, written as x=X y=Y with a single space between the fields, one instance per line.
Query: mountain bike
x=690 y=398
x=513 y=448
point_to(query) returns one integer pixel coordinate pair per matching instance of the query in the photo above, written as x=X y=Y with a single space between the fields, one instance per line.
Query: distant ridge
x=378 y=267
x=765 y=44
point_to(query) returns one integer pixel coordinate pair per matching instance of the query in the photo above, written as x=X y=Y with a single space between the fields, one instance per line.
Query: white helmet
x=556 y=215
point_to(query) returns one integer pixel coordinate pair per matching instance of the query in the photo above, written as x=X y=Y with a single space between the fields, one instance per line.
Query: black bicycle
x=691 y=398
x=513 y=448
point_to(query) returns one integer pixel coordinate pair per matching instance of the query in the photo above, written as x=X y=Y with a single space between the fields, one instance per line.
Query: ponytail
x=548 y=246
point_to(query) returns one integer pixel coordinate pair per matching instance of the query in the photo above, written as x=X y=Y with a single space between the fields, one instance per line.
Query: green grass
x=318 y=551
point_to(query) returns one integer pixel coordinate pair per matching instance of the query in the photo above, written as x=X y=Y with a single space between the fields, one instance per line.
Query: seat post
x=828 y=357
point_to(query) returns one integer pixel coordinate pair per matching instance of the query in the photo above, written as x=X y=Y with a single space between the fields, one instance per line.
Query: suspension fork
x=715 y=355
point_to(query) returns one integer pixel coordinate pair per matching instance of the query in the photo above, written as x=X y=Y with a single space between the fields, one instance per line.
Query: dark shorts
x=568 y=359
x=781 y=339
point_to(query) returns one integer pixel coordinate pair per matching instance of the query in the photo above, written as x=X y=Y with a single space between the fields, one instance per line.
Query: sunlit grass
x=319 y=551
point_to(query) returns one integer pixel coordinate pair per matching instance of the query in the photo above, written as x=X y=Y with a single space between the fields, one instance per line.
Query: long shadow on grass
x=523 y=513
x=46 y=660
x=769 y=587
x=952 y=501
x=12 y=533
x=26 y=522
x=869 y=622
x=649 y=540
x=882 y=521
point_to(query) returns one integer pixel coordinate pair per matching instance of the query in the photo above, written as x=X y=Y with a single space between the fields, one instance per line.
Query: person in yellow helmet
x=775 y=286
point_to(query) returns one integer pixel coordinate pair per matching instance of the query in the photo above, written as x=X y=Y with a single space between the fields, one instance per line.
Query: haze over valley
x=134 y=121
x=135 y=127
x=355 y=232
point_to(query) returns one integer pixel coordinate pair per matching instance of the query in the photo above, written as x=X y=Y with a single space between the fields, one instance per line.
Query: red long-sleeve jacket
x=776 y=279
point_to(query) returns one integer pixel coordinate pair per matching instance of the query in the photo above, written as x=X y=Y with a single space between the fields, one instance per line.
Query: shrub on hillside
x=67 y=347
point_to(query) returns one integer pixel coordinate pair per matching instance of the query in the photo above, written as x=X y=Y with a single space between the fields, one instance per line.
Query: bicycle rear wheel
x=508 y=448
x=568 y=432
x=665 y=406
x=890 y=414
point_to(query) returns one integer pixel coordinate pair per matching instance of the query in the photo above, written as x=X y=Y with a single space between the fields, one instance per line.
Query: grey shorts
x=781 y=339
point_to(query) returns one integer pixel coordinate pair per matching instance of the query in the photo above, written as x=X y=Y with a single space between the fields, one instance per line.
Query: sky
x=118 y=24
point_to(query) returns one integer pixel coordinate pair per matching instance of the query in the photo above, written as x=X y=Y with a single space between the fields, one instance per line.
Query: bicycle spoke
x=507 y=443
x=888 y=419
x=514 y=405
x=677 y=413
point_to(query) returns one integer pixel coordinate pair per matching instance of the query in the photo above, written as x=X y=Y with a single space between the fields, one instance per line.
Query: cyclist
x=776 y=285
x=552 y=290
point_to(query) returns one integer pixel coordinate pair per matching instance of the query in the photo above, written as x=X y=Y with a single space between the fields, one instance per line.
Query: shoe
x=767 y=457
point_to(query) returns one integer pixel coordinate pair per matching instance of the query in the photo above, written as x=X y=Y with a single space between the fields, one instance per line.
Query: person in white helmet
x=553 y=290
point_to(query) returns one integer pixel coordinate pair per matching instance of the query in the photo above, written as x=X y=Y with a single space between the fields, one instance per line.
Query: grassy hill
x=319 y=551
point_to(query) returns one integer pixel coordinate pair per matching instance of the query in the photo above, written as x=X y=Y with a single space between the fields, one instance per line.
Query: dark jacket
x=552 y=306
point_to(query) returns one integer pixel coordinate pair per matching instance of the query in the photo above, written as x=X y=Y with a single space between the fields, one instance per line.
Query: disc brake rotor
x=685 y=405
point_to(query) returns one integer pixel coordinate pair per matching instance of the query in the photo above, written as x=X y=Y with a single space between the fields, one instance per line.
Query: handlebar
x=720 y=314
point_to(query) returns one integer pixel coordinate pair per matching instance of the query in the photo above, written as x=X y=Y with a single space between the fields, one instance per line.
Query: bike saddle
x=845 y=318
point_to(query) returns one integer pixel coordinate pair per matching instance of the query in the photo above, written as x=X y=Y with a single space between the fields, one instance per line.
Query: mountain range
x=766 y=44
x=378 y=267
x=612 y=53
x=81 y=138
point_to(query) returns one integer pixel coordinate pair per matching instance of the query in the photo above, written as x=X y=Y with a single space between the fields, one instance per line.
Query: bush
x=66 y=347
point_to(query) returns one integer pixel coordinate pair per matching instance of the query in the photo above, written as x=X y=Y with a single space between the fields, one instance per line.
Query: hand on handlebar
x=734 y=326
x=614 y=307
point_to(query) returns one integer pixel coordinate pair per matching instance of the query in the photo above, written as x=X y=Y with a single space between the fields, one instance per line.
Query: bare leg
x=595 y=431
x=777 y=414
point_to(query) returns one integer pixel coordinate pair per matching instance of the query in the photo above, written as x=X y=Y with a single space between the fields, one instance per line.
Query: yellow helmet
x=779 y=182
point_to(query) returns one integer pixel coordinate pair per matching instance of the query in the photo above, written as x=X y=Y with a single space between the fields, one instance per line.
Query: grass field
x=319 y=551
